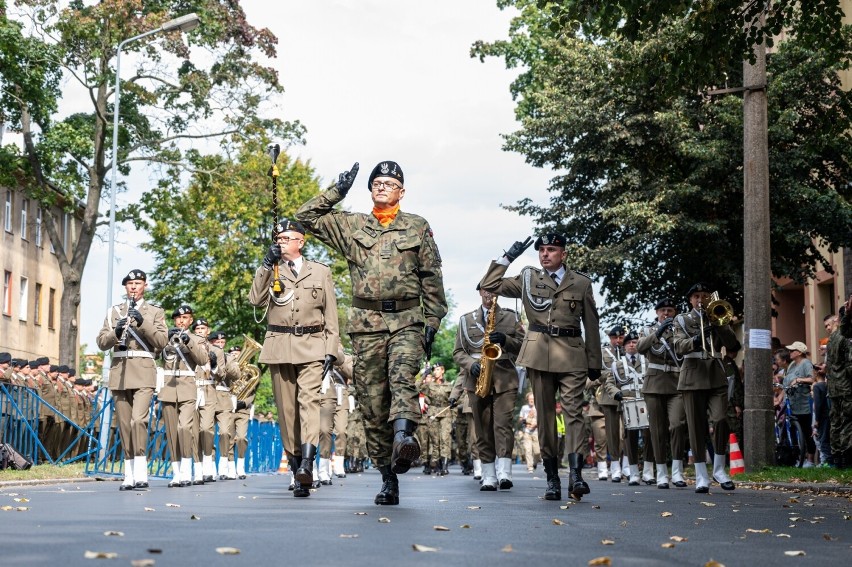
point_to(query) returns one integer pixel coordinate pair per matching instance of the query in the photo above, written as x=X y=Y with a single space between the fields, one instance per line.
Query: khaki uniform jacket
x=468 y=349
x=137 y=372
x=609 y=354
x=568 y=305
x=396 y=262
x=659 y=381
x=227 y=372
x=460 y=393
x=178 y=388
x=699 y=372
x=312 y=303
x=618 y=374
x=47 y=393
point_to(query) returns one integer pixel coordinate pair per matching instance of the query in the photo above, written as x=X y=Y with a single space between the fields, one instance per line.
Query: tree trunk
x=69 y=305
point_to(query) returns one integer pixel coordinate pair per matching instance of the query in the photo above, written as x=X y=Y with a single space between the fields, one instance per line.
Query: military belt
x=298 y=330
x=132 y=354
x=702 y=355
x=204 y=382
x=663 y=367
x=179 y=373
x=557 y=331
x=386 y=305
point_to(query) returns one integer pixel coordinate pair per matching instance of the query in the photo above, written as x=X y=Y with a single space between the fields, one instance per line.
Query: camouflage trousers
x=841 y=424
x=440 y=437
x=385 y=367
x=356 y=442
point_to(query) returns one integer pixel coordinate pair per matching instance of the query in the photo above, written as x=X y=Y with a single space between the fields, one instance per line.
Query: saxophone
x=490 y=353
x=249 y=378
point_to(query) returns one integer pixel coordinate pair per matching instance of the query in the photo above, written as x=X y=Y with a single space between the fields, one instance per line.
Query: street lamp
x=183 y=23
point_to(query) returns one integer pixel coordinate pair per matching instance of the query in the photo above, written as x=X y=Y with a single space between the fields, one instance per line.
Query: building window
x=51 y=309
x=39 y=214
x=24 y=299
x=7 y=222
x=37 y=305
x=7 y=293
x=25 y=206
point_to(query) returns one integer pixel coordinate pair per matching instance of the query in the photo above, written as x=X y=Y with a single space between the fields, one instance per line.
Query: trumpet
x=177 y=338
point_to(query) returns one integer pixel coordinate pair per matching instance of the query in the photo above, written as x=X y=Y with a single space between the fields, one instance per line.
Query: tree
x=185 y=89
x=649 y=180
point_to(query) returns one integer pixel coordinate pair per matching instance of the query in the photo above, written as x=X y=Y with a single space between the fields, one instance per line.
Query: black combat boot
x=426 y=468
x=444 y=464
x=575 y=476
x=305 y=472
x=389 y=494
x=554 y=485
x=406 y=449
x=301 y=490
x=467 y=467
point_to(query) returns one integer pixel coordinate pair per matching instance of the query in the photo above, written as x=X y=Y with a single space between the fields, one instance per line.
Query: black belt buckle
x=554 y=331
x=298 y=330
x=388 y=305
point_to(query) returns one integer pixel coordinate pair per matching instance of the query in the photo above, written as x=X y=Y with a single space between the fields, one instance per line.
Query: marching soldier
x=136 y=332
x=240 y=423
x=206 y=401
x=440 y=430
x=225 y=371
x=662 y=398
x=493 y=413
x=556 y=300
x=334 y=418
x=178 y=394
x=356 y=438
x=397 y=286
x=301 y=342
x=610 y=407
x=424 y=435
x=704 y=384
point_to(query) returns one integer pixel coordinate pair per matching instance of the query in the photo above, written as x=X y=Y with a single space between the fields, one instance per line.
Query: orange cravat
x=386 y=217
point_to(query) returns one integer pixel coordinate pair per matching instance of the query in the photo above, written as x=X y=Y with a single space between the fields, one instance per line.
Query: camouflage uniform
x=396 y=283
x=840 y=391
x=440 y=428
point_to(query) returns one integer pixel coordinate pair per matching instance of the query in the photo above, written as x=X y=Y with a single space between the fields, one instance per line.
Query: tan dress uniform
x=704 y=385
x=205 y=423
x=610 y=408
x=226 y=373
x=627 y=376
x=240 y=426
x=302 y=329
x=493 y=414
x=334 y=418
x=555 y=354
x=178 y=396
x=133 y=374
x=664 y=403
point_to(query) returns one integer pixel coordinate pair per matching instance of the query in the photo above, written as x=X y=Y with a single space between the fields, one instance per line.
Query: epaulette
x=584 y=274
x=320 y=263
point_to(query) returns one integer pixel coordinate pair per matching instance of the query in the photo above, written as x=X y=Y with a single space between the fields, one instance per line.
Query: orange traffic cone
x=283 y=465
x=737 y=462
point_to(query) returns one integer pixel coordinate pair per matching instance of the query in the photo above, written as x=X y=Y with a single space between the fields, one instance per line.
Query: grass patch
x=796 y=475
x=45 y=472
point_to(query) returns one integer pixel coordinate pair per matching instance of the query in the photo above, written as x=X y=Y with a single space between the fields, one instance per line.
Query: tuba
x=249 y=378
x=490 y=353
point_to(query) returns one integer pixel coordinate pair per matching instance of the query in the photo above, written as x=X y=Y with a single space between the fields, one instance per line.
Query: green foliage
x=649 y=182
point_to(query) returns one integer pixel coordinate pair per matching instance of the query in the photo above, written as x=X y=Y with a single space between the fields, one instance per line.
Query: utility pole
x=759 y=419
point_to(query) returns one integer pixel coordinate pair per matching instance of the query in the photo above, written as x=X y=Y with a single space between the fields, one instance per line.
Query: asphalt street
x=262 y=524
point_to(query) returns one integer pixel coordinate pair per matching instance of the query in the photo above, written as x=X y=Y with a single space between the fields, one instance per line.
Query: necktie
x=632 y=360
x=555 y=277
x=293 y=268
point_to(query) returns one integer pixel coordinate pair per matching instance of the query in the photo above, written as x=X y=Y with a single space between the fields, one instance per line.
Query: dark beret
x=285 y=224
x=200 y=322
x=63 y=369
x=216 y=335
x=616 y=331
x=72 y=372
x=700 y=286
x=235 y=349
x=88 y=382
x=182 y=310
x=17 y=362
x=5 y=357
x=80 y=382
x=33 y=364
x=665 y=302
x=134 y=275
x=550 y=239
x=631 y=336
x=54 y=368
x=386 y=169
x=42 y=360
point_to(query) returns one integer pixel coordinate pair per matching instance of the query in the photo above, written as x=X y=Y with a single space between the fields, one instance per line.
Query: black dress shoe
x=209 y=478
x=315 y=484
x=505 y=484
x=326 y=482
x=185 y=483
x=617 y=479
x=223 y=477
x=124 y=487
x=198 y=481
x=702 y=489
x=633 y=483
x=648 y=482
x=140 y=485
x=242 y=477
x=679 y=484
x=174 y=484
x=663 y=486
x=300 y=491
x=728 y=485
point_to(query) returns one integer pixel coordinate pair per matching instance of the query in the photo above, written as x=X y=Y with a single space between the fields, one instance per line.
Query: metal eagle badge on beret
x=182 y=310
x=550 y=239
x=134 y=275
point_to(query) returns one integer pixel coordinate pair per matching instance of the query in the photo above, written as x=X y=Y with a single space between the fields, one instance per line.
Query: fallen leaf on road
x=474 y=507
x=794 y=518
x=828 y=537
x=149 y=509
x=507 y=549
x=708 y=504
x=558 y=522
x=360 y=513
x=100 y=555
x=702 y=519
x=170 y=505
x=794 y=500
x=227 y=551
x=465 y=526
x=348 y=536
x=22 y=499
x=119 y=534
x=763 y=531
x=607 y=542
x=423 y=548
x=797 y=553
x=668 y=545
x=154 y=550
x=678 y=538
x=384 y=520
x=440 y=528
x=713 y=563
x=142 y=563
x=6 y=508
x=623 y=524
x=600 y=561
x=443 y=500
x=782 y=535
x=666 y=514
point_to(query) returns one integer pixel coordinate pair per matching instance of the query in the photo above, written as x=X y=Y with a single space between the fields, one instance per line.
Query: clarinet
x=123 y=341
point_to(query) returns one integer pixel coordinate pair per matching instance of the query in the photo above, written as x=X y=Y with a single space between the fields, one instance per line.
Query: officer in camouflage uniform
x=397 y=286
x=356 y=438
x=839 y=372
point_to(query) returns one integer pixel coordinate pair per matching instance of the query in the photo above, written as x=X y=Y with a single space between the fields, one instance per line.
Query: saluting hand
x=517 y=249
x=346 y=179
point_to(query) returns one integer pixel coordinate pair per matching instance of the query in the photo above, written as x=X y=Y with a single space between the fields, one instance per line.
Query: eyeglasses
x=287 y=239
x=376 y=185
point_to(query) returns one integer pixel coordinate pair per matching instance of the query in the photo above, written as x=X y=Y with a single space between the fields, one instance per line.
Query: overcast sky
x=378 y=80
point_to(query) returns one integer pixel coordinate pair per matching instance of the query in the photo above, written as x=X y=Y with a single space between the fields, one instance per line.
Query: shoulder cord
x=536 y=303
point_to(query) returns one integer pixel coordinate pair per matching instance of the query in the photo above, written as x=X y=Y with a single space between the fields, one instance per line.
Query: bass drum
x=634 y=413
